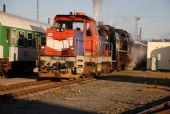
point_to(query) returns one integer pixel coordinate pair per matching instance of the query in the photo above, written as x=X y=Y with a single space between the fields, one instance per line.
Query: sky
x=154 y=14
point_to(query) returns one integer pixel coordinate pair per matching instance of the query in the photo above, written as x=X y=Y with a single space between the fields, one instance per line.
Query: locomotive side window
x=13 y=37
x=88 y=31
x=78 y=25
x=30 y=39
x=21 y=39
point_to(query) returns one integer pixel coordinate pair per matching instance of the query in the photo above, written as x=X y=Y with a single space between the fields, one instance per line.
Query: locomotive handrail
x=105 y=49
x=122 y=51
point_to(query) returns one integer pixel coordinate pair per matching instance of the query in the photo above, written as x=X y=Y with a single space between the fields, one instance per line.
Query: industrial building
x=158 y=56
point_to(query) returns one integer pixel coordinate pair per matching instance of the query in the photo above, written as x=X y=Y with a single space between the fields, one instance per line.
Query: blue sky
x=155 y=16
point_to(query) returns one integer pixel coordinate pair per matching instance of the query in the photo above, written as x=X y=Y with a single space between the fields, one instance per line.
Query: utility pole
x=4 y=8
x=37 y=10
x=49 y=21
x=140 y=34
x=136 y=28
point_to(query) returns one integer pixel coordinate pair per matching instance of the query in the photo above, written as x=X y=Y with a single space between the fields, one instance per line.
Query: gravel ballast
x=103 y=96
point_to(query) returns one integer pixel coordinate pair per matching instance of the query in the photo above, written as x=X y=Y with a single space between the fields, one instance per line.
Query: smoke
x=96 y=8
x=138 y=54
x=115 y=13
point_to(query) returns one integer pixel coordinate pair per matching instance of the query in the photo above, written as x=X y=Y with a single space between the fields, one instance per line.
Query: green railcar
x=18 y=38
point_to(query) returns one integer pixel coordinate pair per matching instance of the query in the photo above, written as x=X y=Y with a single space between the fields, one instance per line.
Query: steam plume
x=96 y=8
x=109 y=13
x=137 y=55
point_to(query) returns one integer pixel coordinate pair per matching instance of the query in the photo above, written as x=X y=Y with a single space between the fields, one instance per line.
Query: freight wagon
x=18 y=42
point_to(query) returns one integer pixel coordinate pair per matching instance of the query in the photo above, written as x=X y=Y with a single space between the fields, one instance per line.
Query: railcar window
x=13 y=37
x=7 y=36
x=21 y=39
x=38 y=40
x=43 y=40
x=30 y=39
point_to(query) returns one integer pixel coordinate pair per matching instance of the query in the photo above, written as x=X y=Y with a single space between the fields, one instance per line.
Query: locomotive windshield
x=69 y=24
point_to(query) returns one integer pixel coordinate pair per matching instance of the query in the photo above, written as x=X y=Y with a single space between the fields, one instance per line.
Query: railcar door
x=5 y=41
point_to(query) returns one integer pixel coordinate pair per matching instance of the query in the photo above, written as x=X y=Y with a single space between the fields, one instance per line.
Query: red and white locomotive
x=73 y=46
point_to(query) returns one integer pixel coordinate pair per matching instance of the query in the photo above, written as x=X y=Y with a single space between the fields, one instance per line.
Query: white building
x=158 y=56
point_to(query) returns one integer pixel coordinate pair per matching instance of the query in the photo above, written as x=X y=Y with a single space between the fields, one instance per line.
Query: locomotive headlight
x=57 y=29
x=62 y=30
x=71 y=47
x=42 y=47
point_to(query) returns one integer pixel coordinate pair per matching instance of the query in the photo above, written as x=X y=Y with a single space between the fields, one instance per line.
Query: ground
x=122 y=92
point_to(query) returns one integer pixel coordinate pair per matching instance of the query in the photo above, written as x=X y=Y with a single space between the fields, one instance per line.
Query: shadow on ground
x=9 y=105
x=147 y=106
x=141 y=80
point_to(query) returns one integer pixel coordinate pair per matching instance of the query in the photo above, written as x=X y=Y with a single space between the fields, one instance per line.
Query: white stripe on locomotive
x=59 y=44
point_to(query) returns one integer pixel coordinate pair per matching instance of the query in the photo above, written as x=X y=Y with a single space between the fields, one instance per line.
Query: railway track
x=24 y=89
x=160 y=109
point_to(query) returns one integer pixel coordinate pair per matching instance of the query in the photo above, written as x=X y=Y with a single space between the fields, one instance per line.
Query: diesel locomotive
x=76 y=45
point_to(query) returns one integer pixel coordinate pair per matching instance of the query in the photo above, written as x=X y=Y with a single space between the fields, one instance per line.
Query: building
x=158 y=56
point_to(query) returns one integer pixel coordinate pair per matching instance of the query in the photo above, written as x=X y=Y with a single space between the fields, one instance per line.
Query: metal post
x=140 y=34
x=136 y=28
x=49 y=21
x=4 y=8
x=37 y=10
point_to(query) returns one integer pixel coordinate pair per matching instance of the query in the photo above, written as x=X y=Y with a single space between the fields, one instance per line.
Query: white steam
x=137 y=55
x=114 y=13
x=96 y=8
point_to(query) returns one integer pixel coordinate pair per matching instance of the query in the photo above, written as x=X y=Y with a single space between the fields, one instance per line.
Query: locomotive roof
x=7 y=19
x=75 y=16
